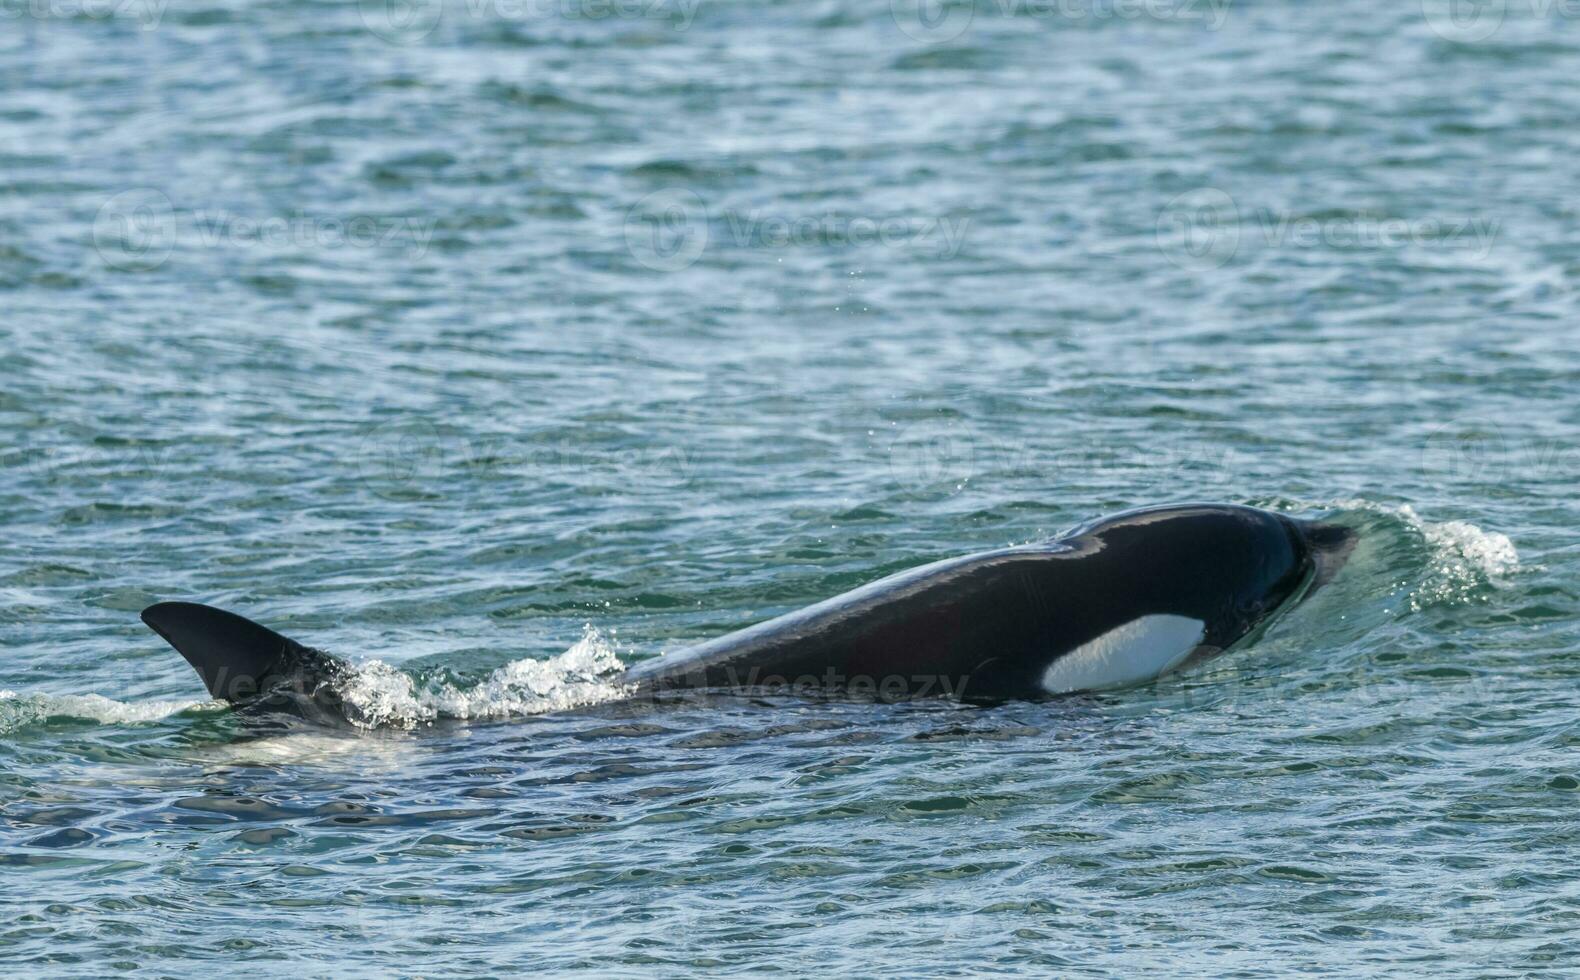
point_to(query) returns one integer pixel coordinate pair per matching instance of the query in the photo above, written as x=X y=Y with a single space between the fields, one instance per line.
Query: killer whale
x=1115 y=602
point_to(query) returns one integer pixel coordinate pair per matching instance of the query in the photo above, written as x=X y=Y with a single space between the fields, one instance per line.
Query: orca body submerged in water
x=1115 y=602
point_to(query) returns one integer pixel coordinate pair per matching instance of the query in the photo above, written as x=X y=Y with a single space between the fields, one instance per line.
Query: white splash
x=1488 y=552
x=19 y=711
x=377 y=695
x=1462 y=556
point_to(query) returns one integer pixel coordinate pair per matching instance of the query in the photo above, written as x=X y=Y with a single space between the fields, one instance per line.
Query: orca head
x=1328 y=547
x=1231 y=567
x=1315 y=553
x=1167 y=587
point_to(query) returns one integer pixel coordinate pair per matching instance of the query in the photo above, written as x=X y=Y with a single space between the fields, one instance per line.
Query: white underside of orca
x=1137 y=651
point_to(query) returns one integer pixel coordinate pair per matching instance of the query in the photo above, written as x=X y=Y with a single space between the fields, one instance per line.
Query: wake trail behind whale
x=19 y=711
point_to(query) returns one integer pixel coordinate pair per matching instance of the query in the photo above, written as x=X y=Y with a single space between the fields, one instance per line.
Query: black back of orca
x=1115 y=602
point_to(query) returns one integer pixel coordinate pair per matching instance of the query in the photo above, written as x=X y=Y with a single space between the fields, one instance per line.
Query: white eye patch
x=1137 y=651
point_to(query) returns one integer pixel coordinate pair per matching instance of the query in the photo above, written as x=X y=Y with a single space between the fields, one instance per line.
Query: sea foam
x=378 y=695
x=1462 y=558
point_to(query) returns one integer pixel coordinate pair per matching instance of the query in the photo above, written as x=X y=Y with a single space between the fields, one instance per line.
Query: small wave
x=1462 y=558
x=378 y=695
x=19 y=711
x=1466 y=554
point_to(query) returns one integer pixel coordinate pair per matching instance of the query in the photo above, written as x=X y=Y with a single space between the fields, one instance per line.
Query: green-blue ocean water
x=495 y=343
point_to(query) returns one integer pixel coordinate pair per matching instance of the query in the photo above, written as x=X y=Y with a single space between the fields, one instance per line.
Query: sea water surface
x=495 y=345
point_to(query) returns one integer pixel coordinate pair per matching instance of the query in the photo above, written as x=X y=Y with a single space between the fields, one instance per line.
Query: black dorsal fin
x=232 y=654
